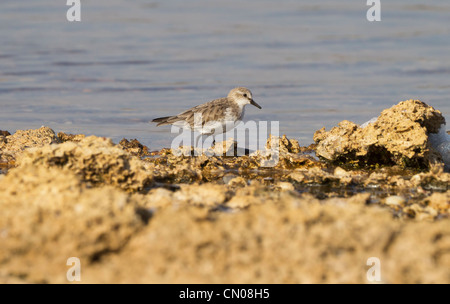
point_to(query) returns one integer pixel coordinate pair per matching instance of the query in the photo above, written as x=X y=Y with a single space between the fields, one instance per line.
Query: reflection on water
x=308 y=65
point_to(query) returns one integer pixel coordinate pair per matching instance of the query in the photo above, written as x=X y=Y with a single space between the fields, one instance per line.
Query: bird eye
x=245 y=95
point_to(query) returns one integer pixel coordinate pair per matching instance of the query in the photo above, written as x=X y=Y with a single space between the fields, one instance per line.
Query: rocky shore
x=131 y=214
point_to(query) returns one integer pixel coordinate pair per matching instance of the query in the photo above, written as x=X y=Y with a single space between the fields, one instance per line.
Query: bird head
x=242 y=96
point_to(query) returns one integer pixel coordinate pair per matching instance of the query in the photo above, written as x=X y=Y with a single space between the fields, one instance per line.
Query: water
x=309 y=64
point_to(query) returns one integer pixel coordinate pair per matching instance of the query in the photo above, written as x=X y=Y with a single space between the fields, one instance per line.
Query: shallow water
x=308 y=64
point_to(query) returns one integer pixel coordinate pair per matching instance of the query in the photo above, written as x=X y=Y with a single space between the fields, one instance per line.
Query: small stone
x=285 y=186
x=134 y=147
x=70 y=137
x=237 y=182
x=339 y=172
x=395 y=200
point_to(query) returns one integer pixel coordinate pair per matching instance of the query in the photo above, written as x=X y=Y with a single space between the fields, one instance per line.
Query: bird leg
x=201 y=142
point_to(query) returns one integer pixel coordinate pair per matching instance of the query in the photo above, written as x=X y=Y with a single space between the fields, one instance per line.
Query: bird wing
x=210 y=111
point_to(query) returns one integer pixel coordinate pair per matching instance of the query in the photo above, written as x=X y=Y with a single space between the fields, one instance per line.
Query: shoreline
x=135 y=215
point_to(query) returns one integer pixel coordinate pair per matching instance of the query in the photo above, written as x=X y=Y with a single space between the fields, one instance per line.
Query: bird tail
x=162 y=120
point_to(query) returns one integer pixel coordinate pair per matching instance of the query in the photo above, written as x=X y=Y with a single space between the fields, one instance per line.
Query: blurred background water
x=309 y=63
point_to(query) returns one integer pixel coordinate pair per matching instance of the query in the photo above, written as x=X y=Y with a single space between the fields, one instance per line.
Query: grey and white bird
x=214 y=117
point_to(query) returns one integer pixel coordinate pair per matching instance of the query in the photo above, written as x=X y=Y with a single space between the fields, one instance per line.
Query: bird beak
x=255 y=104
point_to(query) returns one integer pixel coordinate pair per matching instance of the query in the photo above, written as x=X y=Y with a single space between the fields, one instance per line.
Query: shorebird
x=214 y=117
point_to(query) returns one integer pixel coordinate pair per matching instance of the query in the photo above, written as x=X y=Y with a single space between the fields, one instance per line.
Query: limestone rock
x=95 y=159
x=398 y=136
x=11 y=146
x=49 y=215
x=134 y=147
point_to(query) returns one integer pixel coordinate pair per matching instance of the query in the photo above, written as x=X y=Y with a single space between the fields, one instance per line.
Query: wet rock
x=49 y=215
x=285 y=145
x=298 y=177
x=309 y=149
x=63 y=137
x=134 y=147
x=4 y=133
x=314 y=176
x=96 y=160
x=11 y=146
x=435 y=178
x=376 y=179
x=179 y=166
x=296 y=161
x=284 y=153
x=344 y=176
x=431 y=208
x=398 y=136
x=219 y=149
